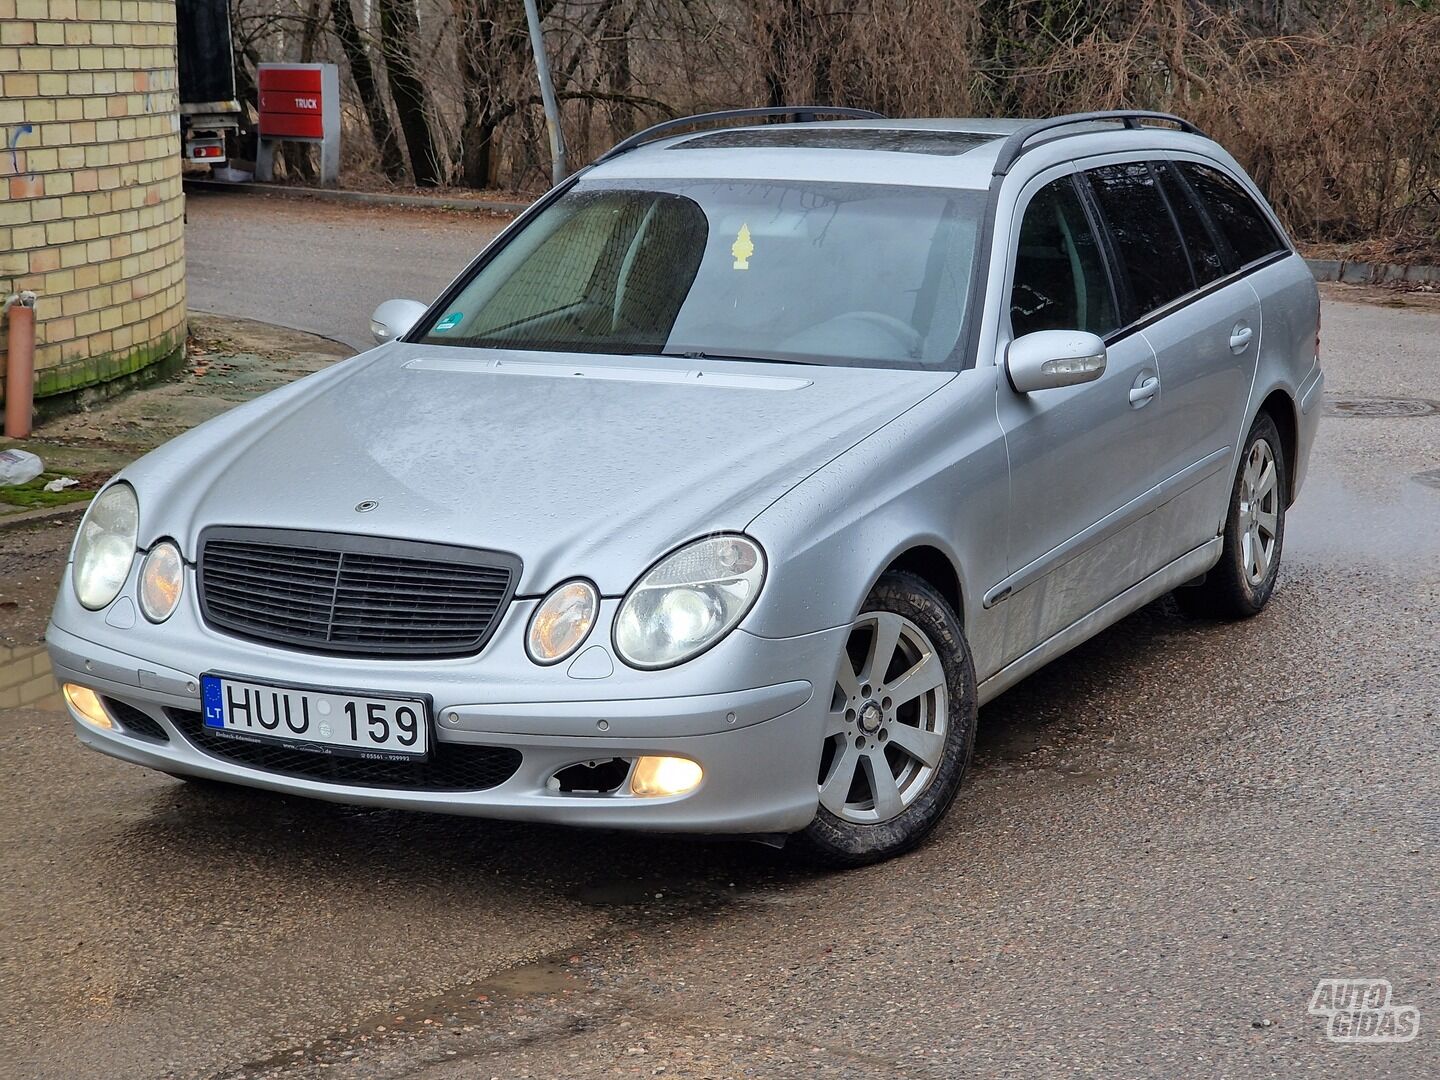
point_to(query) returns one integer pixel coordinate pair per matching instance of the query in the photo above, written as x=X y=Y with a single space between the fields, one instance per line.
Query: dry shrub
x=1335 y=112
x=1341 y=126
x=1338 y=121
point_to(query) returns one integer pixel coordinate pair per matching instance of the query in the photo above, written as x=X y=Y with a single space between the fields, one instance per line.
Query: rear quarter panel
x=1290 y=314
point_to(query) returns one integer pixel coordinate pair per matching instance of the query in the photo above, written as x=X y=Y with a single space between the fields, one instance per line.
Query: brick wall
x=91 y=209
x=26 y=679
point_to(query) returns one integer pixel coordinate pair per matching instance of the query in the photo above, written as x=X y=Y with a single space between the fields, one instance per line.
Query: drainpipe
x=20 y=365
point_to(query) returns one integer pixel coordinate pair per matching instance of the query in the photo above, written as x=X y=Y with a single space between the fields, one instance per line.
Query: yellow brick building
x=91 y=208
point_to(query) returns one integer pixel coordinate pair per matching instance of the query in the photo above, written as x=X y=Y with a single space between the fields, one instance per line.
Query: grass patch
x=33 y=494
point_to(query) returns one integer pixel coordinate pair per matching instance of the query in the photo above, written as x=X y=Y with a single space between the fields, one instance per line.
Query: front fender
x=936 y=476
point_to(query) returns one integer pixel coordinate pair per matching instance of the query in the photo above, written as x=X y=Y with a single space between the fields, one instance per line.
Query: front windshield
x=857 y=274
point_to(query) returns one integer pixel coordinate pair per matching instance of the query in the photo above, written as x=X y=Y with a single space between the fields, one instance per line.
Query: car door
x=1205 y=341
x=1078 y=454
x=1249 y=244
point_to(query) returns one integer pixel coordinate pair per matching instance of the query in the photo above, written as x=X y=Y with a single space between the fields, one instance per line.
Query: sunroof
x=894 y=140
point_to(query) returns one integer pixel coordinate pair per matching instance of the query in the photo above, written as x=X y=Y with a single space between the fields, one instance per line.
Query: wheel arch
x=936 y=569
x=1280 y=407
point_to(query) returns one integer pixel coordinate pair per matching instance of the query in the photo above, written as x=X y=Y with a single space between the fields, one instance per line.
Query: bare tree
x=398 y=28
x=357 y=56
x=618 y=28
x=1329 y=103
x=498 y=76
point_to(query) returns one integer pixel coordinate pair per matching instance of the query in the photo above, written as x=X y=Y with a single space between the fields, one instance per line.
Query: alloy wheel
x=1259 y=512
x=885 y=734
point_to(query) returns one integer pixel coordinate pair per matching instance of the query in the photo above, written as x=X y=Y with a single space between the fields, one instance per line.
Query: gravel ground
x=31 y=560
x=1169 y=837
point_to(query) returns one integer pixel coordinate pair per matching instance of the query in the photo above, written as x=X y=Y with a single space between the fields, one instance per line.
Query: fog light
x=665 y=776
x=86 y=704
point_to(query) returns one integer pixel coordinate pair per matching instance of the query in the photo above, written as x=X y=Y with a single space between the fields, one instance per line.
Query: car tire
x=1241 y=583
x=922 y=735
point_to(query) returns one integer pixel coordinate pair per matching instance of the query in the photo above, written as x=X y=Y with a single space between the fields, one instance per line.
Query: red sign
x=292 y=103
x=300 y=102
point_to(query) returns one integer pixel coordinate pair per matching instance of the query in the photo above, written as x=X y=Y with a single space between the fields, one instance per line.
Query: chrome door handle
x=1141 y=394
x=1240 y=337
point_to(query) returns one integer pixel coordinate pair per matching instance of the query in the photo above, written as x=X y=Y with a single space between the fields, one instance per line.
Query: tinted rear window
x=1206 y=259
x=1151 y=256
x=1243 y=224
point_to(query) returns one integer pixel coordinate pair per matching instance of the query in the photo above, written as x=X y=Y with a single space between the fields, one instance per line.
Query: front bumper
x=759 y=747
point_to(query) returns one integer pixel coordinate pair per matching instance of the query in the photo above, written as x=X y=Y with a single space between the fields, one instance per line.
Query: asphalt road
x=1170 y=836
x=321 y=267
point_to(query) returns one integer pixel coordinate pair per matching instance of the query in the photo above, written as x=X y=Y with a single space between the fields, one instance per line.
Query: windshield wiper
x=699 y=355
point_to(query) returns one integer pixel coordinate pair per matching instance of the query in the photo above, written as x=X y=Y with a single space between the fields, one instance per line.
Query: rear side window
x=1143 y=234
x=1202 y=244
x=1060 y=277
x=1243 y=224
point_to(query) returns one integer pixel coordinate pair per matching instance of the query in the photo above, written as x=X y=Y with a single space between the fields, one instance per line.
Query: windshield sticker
x=449 y=322
x=742 y=249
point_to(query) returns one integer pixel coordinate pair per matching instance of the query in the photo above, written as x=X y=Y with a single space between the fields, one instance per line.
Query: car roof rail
x=801 y=114
x=1016 y=143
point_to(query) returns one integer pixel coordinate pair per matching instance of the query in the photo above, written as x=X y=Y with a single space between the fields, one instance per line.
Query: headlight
x=105 y=547
x=562 y=622
x=161 y=579
x=688 y=601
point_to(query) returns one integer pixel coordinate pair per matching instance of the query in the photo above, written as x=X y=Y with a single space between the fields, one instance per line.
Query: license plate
x=320 y=721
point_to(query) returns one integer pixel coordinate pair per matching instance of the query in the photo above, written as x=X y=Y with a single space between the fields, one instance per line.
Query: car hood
x=581 y=465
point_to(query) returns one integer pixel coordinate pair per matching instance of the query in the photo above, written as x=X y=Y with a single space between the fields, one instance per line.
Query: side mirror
x=1050 y=358
x=394 y=318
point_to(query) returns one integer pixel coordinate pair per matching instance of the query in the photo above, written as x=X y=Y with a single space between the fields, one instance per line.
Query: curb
x=1357 y=273
x=280 y=326
x=371 y=198
x=42 y=515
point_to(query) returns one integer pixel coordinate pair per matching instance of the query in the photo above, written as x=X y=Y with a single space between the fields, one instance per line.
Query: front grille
x=134 y=722
x=450 y=766
x=353 y=595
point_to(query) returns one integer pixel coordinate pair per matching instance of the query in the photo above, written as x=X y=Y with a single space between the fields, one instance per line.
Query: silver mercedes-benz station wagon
x=722 y=488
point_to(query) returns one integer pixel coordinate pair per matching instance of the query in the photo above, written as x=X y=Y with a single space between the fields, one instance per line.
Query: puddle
x=545 y=977
x=1372 y=408
x=460 y=1010
x=1335 y=519
x=26 y=680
